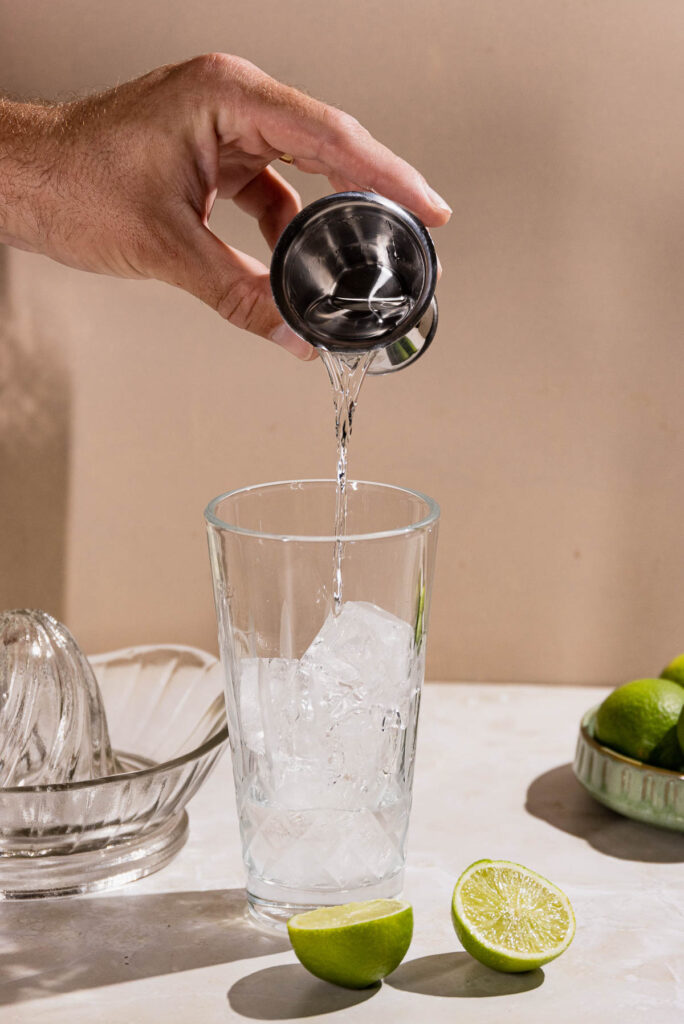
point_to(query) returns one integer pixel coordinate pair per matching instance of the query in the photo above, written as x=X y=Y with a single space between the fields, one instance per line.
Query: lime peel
x=635 y=720
x=675 y=670
x=510 y=918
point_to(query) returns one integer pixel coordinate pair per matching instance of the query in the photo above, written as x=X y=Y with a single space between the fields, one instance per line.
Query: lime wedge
x=419 y=617
x=353 y=945
x=510 y=918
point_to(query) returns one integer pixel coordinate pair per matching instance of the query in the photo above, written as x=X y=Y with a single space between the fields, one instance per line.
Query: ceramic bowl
x=639 y=791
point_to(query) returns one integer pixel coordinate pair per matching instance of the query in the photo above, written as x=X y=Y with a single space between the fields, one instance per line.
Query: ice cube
x=330 y=730
x=361 y=678
x=276 y=719
x=266 y=699
x=360 y=656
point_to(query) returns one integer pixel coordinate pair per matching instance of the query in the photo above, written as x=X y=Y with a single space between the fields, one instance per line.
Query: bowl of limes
x=630 y=750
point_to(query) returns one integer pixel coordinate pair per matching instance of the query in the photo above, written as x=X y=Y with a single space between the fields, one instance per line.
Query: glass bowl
x=639 y=791
x=166 y=715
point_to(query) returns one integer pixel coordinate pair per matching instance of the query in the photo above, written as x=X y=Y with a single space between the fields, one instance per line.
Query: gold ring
x=287 y=158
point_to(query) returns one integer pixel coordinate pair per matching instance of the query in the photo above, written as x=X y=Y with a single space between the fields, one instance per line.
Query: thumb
x=237 y=286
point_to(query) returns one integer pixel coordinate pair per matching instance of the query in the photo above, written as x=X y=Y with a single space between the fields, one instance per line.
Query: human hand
x=123 y=183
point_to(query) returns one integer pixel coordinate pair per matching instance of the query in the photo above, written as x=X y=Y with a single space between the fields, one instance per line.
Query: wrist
x=29 y=173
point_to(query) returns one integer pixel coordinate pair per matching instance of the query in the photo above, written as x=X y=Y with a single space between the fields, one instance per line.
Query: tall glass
x=322 y=707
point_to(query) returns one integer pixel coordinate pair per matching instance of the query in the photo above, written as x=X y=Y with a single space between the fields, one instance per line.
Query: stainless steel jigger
x=355 y=271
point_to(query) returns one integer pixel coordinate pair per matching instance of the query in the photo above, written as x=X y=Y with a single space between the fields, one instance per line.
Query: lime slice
x=510 y=918
x=353 y=945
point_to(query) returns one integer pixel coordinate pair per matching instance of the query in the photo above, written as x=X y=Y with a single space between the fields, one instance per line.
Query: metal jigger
x=355 y=271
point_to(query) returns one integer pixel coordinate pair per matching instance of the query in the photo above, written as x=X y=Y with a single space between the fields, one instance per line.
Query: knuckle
x=339 y=130
x=239 y=303
x=344 y=125
x=215 y=65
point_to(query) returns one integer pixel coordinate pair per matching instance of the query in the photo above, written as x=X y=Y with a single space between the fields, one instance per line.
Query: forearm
x=29 y=173
x=64 y=190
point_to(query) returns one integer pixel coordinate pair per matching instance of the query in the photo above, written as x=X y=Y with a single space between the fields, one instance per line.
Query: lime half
x=353 y=945
x=510 y=918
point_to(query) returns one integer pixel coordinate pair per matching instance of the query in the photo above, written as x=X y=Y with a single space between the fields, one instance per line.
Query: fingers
x=351 y=158
x=272 y=201
x=325 y=140
x=237 y=287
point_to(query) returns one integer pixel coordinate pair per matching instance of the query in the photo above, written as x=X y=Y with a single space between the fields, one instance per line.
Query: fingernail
x=437 y=200
x=290 y=341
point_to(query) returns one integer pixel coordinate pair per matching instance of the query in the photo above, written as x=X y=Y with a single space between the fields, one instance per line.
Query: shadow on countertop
x=457 y=975
x=56 y=946
x=558 y=798
x=288 y=991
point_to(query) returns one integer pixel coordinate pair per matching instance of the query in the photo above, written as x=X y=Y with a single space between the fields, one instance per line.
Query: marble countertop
x=493 y=779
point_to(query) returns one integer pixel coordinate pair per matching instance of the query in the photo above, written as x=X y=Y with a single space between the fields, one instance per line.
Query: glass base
x=271 y=906
x=25 y=877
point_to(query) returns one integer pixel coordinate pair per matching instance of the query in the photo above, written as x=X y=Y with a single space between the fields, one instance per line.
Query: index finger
x=328 y=141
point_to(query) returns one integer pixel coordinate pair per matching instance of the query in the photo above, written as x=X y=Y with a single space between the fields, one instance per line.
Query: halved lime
x=355 y=944
x=509 y=917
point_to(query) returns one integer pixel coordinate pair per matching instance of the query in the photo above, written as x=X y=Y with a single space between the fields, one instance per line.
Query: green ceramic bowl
x=639 y=791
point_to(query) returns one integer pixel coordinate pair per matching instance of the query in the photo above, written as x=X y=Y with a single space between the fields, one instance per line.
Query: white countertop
x=493 y=779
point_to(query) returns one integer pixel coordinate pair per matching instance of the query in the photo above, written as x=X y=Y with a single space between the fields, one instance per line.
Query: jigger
x=355 y=271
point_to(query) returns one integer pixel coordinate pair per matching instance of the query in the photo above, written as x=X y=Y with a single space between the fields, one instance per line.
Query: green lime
x=675 y=670
x=355 y=944
x=680 y=736
x=510 y=918
x=639 y=719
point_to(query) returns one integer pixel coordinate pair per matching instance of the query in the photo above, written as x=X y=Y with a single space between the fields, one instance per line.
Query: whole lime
x=639 y=719
x=675 y=670
x=680 y=732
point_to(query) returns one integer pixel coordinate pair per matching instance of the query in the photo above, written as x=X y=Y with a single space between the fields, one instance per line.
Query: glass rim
x=214 y=520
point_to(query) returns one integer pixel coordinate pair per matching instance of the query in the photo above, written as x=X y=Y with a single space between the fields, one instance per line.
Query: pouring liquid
x=347 y=370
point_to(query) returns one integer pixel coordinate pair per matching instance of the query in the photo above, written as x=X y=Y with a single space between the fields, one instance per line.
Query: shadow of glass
x=558 y=798
x=289 y=991
x=457 y=975
x=56 y=946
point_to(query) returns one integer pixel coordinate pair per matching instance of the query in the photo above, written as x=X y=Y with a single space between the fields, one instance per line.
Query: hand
x=123 y=183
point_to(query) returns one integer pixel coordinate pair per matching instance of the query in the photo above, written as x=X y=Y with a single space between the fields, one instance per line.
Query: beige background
x=547 y=418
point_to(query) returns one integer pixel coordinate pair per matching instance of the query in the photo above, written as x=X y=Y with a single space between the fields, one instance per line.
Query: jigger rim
x=429 y=519
x=401 y=214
